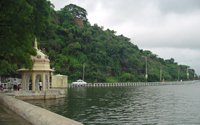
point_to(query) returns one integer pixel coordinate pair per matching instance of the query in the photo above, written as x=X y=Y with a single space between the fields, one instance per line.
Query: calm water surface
x=170 y=104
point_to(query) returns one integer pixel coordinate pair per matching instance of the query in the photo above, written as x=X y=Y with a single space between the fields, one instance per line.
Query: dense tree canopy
x=20 y=20
x=76 y=11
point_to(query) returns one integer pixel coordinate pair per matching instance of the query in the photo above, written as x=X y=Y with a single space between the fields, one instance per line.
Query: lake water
x=169 y=104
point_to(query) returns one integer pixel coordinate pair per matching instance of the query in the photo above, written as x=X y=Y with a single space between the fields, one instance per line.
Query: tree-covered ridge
x=105 y=56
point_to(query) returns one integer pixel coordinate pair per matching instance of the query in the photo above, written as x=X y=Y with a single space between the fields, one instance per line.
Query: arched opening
x=37 y=80
x=28 y=82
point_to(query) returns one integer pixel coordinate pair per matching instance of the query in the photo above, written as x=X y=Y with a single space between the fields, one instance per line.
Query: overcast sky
x=168 y=28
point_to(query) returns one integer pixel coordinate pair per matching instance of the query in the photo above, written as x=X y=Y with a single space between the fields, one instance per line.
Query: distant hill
x=72 y=43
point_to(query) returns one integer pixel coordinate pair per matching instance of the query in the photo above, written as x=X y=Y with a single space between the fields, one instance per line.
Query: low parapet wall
x=34 y=114
x=49 y=94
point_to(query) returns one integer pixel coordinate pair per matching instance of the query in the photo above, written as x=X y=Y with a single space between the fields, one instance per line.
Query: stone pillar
x=26 y=81
x=37 y=82
x=23 y=81
x=43 y=82
x=33 y=81
x=48 y=81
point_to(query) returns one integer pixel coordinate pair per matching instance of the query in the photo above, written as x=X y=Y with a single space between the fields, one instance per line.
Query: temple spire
x=35 y=45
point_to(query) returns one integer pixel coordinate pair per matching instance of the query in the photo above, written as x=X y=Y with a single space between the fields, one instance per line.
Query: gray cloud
x=178 y=6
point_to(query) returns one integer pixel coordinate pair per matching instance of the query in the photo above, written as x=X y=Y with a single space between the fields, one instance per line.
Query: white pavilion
x=41 y=69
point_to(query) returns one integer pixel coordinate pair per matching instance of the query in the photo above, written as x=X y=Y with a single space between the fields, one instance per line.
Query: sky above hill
x=168 y=28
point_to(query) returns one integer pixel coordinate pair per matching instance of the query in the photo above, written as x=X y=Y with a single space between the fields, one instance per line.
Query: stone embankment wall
x=49 y=94
x=34 y=114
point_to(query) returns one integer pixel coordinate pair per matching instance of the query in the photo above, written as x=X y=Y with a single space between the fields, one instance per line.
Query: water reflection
x=172 y=104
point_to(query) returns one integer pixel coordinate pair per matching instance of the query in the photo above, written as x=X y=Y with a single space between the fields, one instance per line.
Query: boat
x=79 y=82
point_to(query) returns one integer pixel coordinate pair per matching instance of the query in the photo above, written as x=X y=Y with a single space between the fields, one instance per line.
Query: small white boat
x=79 y=82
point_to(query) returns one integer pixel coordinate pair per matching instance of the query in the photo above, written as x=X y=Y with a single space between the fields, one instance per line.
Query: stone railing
x=132 y=84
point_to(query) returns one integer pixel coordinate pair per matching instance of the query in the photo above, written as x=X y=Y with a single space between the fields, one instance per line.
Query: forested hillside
x=106 y=57
x=73 y=44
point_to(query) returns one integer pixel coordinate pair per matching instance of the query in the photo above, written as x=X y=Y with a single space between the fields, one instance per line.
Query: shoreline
x=34 y=114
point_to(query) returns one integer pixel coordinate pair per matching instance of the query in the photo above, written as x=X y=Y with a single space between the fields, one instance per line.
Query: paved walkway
x=8 y=117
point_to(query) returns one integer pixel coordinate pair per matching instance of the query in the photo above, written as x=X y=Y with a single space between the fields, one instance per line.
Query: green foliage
x=73 y=47
x=154 y=75
x=7 y=68
x=20 y=20
x=110 y=80
x=76 y=11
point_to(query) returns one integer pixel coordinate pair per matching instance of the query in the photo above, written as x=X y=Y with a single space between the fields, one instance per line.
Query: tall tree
x=20 y=20
x=76 y=11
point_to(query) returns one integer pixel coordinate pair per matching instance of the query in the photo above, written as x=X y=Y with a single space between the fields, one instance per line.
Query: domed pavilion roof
x=41 y=61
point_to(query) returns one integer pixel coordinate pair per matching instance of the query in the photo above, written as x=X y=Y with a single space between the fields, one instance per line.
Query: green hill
x=71 y=43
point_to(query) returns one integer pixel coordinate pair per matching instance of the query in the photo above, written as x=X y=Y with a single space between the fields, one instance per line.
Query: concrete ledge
x=34 y=114
x=49 y=94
